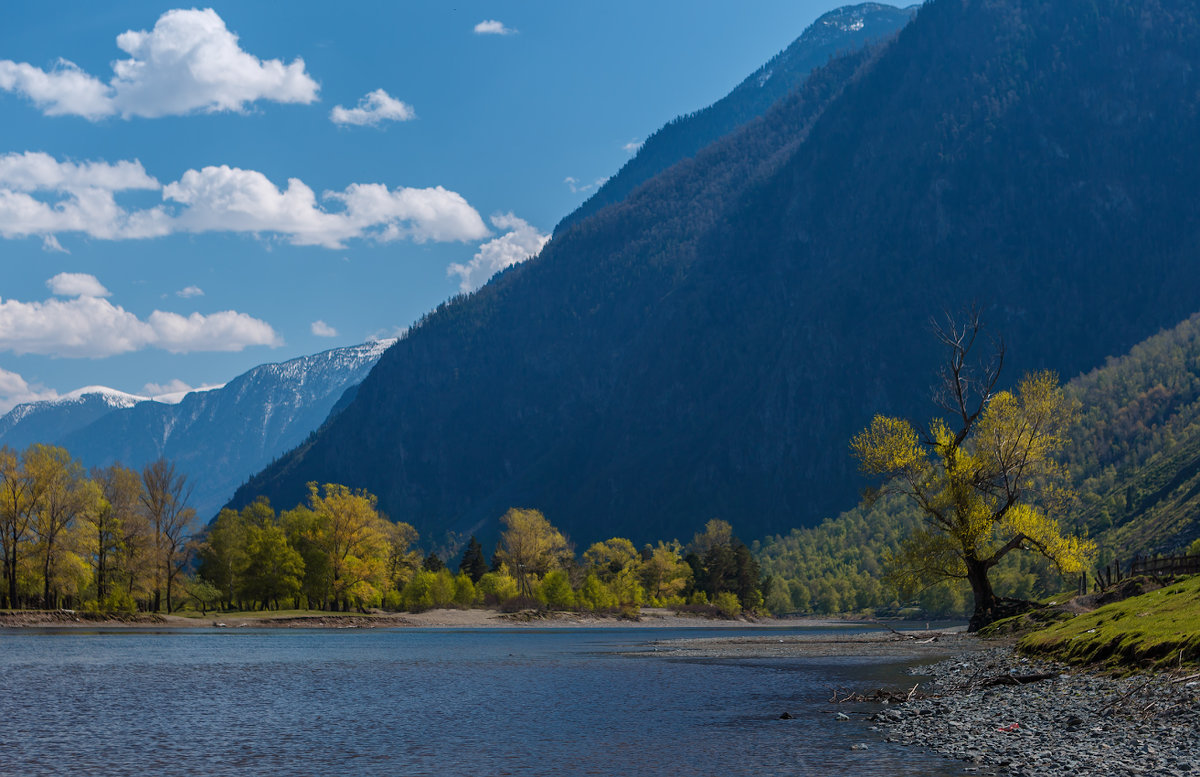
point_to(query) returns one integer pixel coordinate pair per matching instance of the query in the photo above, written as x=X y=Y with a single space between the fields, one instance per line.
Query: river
x=425 y=702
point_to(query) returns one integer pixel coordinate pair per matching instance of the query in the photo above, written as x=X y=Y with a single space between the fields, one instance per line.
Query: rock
x=786 y=716
x=859 y=746
x=841 y=716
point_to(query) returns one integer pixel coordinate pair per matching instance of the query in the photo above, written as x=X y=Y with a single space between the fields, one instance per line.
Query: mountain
x=218 y=437
x=52 y=419
x=841 y=30
x=707 y=346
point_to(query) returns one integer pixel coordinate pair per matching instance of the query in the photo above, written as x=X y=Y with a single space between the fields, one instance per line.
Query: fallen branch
x=1017 y=679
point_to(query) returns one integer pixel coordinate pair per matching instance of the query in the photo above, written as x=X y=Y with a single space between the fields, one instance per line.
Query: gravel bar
x=1077 y=723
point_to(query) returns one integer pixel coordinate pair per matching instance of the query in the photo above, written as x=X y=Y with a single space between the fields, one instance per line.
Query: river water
x=425 y=702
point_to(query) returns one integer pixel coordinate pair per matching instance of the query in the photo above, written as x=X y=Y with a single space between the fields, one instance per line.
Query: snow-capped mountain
x=217 y=436
x=52 y=419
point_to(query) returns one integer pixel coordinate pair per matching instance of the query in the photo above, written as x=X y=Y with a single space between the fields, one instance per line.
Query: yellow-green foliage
x=1160 y=629
x=497 y=587
x=728 y=604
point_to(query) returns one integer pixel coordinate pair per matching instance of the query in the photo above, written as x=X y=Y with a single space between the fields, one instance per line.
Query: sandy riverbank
x=445 y=618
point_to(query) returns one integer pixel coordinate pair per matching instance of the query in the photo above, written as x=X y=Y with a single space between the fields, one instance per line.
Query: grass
x=1157 y=630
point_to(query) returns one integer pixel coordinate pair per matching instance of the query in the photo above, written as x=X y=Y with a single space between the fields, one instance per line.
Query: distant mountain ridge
x=842 y=30
x=51 y=419
x=218 y=437
x=707 y=346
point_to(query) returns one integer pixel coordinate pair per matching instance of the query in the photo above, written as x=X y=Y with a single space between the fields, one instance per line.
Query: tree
x=119 y=490
x=985 y=481
x=530 y=546
x=223 y=559
x=20 y=495
x=473 y=563
x=164 y=498
x=274 y=569
x=354 y=539
x=66 y=495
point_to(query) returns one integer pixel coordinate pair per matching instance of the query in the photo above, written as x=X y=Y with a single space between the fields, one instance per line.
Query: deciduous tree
x=985 y=480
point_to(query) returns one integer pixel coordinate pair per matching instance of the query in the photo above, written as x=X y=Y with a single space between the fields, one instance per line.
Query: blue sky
x=188 y=192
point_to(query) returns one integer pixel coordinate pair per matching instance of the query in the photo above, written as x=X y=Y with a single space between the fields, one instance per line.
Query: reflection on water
x=422 y=702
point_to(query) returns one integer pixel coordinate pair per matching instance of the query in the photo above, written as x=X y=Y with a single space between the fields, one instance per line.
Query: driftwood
x=881 y=695
x=1015 y=679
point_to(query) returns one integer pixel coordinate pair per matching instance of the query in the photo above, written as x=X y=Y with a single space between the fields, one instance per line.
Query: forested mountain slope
x=1133 y=456
x=839 y=31
x=707 y=346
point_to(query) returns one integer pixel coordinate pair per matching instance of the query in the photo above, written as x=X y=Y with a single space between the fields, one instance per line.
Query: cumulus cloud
x=90 y=326
x=190 y=62
x=14 y=391
x=42 y=196
x=493 y=27
x=518 y=243
x=632 y=146
x=76 y=284
x=190 y=291
x=321 y=329
x=376 y=107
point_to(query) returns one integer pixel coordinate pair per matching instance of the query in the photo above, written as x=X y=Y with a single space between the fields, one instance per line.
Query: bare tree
x=164 y=499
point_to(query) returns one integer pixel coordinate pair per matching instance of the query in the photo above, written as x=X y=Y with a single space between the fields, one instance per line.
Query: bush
x=728 y=605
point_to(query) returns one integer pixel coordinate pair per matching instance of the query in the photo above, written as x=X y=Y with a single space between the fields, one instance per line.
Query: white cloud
x=190 y=291
x=173 y=391
x=189 y=62
x=173 y=386
x=632 y=146
x=14 y=390
x=578 y=188
x=378 y=106
x=89 y=326
x=493 y=27
x=44 y=197
x=37 y=171
x=420 y=215
x=76 y=284
x=73 y=197
x=321 y=329
x=520 y=242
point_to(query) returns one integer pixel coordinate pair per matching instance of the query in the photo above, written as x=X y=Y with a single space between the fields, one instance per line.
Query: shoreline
x=1070 y=722
x=650 y=618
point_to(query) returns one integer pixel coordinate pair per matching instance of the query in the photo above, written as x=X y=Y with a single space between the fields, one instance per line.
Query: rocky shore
x=1073 y=723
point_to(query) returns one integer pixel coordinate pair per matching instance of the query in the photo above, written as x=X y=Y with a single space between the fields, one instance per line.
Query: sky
x=186 y=193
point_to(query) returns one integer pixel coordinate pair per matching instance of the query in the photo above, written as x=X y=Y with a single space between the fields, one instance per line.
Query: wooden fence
x=1159 y=566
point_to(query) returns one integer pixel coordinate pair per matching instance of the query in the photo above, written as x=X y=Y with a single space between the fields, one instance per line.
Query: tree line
x=114 y=539
x=110 y=539
x=338 y=552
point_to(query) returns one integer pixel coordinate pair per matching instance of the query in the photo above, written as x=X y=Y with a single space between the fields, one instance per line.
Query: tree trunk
x=985 y=598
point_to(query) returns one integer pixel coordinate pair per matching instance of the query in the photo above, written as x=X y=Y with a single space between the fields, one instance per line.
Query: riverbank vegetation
x=338 y=553
x=1158 y=629
x=119 y=541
